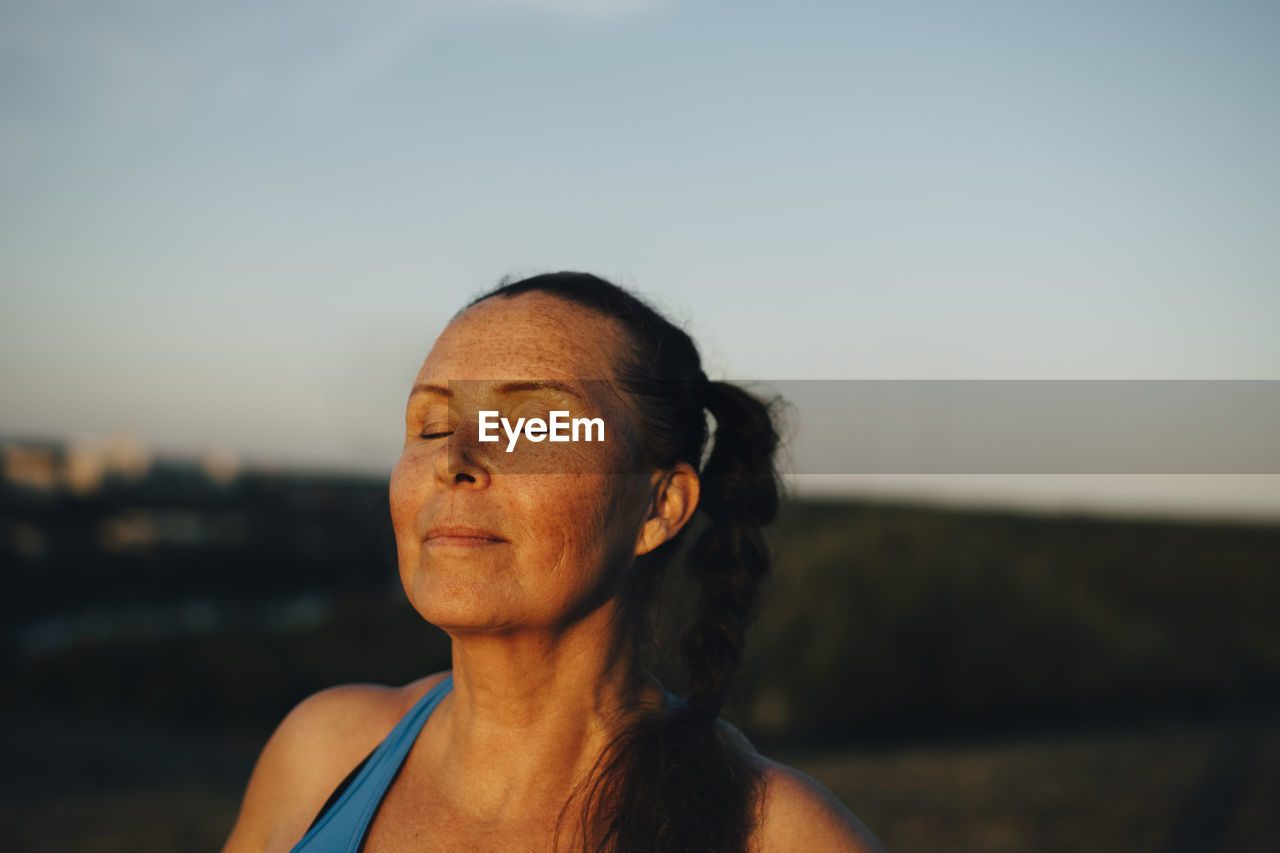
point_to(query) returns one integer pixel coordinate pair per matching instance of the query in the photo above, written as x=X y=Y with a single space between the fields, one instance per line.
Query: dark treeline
x=176 y=535
x=899 y=619
x=175 y=598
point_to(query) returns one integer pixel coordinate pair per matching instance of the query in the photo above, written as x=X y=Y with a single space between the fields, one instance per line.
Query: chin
x=456 y=601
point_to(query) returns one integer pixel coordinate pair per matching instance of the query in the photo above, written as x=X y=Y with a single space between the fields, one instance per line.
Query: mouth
x=458 y=536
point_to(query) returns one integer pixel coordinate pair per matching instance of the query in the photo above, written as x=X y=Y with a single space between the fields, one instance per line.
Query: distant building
x=81 y=467
x=33 y=465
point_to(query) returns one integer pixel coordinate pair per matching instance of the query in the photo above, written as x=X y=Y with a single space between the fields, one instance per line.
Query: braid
x=731 y=557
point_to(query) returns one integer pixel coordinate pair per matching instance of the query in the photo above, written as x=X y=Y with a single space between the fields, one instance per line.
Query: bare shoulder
x=797 y=813
x=311 y=751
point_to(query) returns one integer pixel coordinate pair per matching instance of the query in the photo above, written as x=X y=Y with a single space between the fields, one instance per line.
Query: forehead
x=530 y=336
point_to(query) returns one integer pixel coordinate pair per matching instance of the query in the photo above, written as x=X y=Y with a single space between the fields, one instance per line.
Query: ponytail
x=679 y=780
x=731 y=557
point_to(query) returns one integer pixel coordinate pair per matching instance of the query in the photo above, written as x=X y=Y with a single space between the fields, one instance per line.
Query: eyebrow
x=538 y=385
x=424 y=388
x=505 y=388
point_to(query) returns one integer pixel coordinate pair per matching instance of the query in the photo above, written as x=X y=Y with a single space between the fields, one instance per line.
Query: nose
x=460 y=461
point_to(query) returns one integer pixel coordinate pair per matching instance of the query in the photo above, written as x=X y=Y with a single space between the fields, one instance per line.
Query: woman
x=539 y=559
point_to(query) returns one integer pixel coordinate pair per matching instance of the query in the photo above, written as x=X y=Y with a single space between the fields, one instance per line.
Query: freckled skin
x=569 y=536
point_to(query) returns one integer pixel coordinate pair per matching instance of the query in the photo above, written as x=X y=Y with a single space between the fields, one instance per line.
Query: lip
x=462 y=536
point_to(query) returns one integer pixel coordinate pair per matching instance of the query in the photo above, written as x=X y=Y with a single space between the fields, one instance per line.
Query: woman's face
x=494 y=540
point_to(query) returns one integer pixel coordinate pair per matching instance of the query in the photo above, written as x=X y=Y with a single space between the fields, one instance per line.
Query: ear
x=674 y=500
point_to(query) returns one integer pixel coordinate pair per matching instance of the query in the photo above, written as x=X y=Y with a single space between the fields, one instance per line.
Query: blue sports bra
x=344 y=820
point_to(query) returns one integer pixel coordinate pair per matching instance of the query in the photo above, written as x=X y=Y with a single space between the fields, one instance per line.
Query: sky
x=239 y=226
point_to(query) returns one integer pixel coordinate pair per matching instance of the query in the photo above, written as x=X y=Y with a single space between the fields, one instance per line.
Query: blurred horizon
x=1176 y=497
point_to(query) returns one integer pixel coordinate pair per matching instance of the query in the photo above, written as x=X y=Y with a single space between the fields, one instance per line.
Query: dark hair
x=678 y=781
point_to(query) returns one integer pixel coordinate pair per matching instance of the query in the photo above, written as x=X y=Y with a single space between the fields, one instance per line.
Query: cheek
x=598 y=524
x=558 y=525
x=583 y=529
x=406 y=493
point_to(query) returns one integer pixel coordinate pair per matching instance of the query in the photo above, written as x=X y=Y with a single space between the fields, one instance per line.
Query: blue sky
x=240 y=225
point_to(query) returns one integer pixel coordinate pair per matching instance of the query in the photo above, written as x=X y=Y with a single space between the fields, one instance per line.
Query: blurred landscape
x=963 y=680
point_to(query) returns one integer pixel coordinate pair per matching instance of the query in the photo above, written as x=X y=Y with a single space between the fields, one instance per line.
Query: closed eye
x=436 y=429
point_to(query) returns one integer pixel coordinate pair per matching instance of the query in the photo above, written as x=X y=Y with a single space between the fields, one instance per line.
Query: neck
x=532 y=711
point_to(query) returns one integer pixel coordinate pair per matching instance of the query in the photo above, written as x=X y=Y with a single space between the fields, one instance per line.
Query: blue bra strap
x=342 y=828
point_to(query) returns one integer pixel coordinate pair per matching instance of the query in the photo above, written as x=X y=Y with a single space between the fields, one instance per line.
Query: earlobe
x=674 y=500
